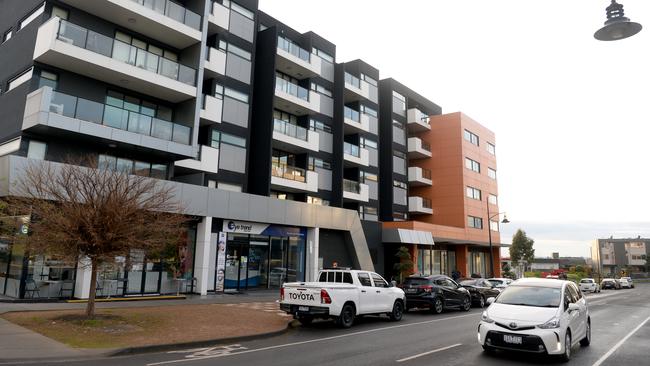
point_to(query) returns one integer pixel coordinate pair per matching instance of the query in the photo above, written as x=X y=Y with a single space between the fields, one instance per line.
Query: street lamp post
x=504 y=221
x=617 y=25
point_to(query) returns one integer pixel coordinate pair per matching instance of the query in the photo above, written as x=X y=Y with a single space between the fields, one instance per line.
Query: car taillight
x=325 y=297
x=427 y=288
x=281 y=293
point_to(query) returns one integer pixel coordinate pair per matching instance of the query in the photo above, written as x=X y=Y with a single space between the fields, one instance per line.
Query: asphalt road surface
x=620 y=323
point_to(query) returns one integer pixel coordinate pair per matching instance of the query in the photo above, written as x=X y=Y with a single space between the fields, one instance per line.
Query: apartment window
x=319 y=126
x=472 y=165
x=366 y=142
x=317 y=201
x=492 y=173
x=225 y=138
x=471 y=137
x=36 y=150
x=492 y=199
x=137 y=105
x=322 y=54
x=399 y=184
x=399 y=216
x=369 y=111
x=238 y=8
x=212 y=183
x=368 y=79
x=220 y=91
x=7 y=35
x=473 y=193
x=48 y=79
x=491 y=149
x=61 y=13
x=319 y=163
x=229 y=187
x=108 y=162
x=31 y=17
x=321 y=89
x=18 y=80
x=399 y=104
x=227 y=47
x=366 y=176
x=494 y=225
x=368 y=213
x=282 y=196
x=475 y=222
x=283 y=116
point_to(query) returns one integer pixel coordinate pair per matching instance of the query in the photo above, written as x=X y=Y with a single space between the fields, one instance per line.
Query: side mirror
x=489 y=300
x=573 y=307
x=393 y=283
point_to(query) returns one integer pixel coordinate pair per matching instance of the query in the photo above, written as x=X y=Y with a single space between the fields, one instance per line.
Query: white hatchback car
x=624 y=283
x=589 y=285
x=538 y=316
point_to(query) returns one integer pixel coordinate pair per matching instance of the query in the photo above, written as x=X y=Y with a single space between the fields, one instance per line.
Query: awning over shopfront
x=407 y=236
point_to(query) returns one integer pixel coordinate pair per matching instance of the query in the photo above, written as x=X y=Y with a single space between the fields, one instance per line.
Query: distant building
x=611 y=256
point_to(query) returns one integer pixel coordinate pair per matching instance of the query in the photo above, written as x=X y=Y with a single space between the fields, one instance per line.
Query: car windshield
x=416 y=281
x=531 y=296
x=586 y=281
x=469 y=283
x=496 y=282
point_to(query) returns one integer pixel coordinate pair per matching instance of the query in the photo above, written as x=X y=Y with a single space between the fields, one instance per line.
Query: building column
x=496 y=255
x=202 y=255
x=311 y=265
x=462 y=264
x=82 y=279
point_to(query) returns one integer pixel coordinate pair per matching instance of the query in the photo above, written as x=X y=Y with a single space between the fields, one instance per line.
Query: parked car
x=480 y=289
x=589 y=285
x=610 y=283
x=436 y=292
x=624 y=283
x=538 y=316
x=342 y=295
x=629 y=279
x=500 y=283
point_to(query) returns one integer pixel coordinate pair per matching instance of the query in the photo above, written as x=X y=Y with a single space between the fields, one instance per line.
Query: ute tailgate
x=297 y=295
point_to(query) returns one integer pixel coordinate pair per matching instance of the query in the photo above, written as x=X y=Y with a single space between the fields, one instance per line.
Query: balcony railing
x=426 y=203
x=294 y=49
x=291 y=88
x=426 y=146
x=351 y=186
x=111 y=116
x=352 y=114
x=118 y=50
x=352 y=80
x=290 y=129
x=173 y=11
x=351 y=149
x=426 y=174
x=422 y=117
x=289 y=172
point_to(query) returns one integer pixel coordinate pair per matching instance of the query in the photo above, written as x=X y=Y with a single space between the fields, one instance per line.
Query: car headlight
x=551 y=324
x=486 y=318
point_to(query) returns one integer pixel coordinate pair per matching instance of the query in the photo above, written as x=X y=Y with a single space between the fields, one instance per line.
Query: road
x=620 y=321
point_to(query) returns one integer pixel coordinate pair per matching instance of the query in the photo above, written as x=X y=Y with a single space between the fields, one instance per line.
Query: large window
x=227 y=47
x=138 y=105
x=219 y=137
x=48 y=79
x=473 y=193
x=158 y=171
x=475 y=222
x=399 y=104
x=321 y=89
x=315 y=125
x=220 y=91
x=472 y=165
x=471 y=137
x=36 y=150
x=369 y=111
x=20 y=79
x=491 y=149
x=493 y=199
x=319 y=163
x=322 y=54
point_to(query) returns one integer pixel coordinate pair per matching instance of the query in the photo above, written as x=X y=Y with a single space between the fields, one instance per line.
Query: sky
x=571 y=114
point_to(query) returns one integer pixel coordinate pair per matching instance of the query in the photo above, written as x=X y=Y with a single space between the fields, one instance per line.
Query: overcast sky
x=571 y=114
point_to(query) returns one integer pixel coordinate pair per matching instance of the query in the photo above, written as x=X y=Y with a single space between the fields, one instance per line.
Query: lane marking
x=620 y=343
x=428 y=353
x=314 y=340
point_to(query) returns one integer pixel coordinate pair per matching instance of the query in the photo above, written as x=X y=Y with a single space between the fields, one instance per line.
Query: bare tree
x=83 y=214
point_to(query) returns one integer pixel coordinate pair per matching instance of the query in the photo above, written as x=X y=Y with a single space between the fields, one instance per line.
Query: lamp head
x=505 y=220
x=617 y=25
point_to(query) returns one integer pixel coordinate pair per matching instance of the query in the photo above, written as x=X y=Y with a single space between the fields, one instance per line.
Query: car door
x=579 y=299
x=451 y=291
x=487 y=289
x=382 y=296
x=574 y=317
x=366 y=291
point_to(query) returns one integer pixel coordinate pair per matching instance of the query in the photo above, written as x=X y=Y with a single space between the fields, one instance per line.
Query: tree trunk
x=90 y=307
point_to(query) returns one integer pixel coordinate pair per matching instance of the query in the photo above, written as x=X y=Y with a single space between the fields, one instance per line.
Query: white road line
x=428 y=353
x=314 y=340
x=620 y=343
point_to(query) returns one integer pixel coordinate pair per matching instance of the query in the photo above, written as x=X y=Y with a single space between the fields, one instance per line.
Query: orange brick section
x=462 y=255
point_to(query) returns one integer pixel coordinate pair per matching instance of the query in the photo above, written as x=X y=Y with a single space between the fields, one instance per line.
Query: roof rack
x=337 y=268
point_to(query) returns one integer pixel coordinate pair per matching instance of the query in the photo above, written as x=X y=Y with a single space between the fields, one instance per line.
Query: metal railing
x=426 y=173
x=351 y=149
x=288 y=87
x=289 y=172
x=294 y=49
x=120 y=118
x=426 y=203
x=352 y=114
x=426 y=146
x=174 y=11
x=352 y=80
x=351 y=186
x=124 y=52
x=290 y=129
x=422 y=117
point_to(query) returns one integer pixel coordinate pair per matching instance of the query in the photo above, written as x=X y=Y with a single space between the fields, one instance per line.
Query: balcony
x=420 y=206
x=355 y=155
x=355 y=191
x=51 y=112
x=419 y=177
x=417 y=121
x=234 y=19
x=163 y=20
x=354 y=121
x=300 y=101
x=293 y=179
x=292 y=138
x=70 y=47
x=208 y=161
x=418 y=149
x=296 y=61
x=212 y=108
x=356 y=89
x=215 y=63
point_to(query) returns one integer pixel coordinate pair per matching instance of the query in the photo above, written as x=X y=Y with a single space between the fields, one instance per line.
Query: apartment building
x=286 y=159
x=611 y=256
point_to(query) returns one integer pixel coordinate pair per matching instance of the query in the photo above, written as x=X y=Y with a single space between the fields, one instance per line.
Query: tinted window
x=416 y=281
x=379 y=281
x=470 y=283
x=347 y=277
x=364 y=278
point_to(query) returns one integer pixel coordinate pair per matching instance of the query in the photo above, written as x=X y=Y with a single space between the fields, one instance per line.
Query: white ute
x=342 y=294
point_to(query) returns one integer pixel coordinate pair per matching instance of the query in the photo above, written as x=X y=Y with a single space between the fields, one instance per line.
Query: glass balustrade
x=292 y=89
x=352 y=80
x=351 y=186
x=352 y=114
x=111 y=116
x=118 y=50
x=351 y=149
x=289 y=172
x=294 y=49
x=421 y=117
x=174 y=11
x=290 y=129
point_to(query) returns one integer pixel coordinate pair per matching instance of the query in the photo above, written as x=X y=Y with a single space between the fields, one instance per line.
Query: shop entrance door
x=236 y=267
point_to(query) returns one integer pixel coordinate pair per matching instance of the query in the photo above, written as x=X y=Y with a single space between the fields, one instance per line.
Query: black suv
x=436 y=292
x=480 y=289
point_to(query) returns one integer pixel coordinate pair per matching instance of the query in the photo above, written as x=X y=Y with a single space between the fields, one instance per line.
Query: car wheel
x=467 y=304
x=481 y=301
x=305 y=320
x=437 y=306
x=566 y=356
x=398 y=311
x=584 y=342
x=346 y=318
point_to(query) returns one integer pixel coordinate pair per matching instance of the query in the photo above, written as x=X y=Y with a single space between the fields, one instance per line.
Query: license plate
x=303 y=308
x=411 y=290
x=512 y=339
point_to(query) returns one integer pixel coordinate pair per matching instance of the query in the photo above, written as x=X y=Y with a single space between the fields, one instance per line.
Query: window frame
x=27 y=20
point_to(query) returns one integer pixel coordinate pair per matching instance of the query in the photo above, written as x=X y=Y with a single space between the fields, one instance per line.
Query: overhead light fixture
x=617 y=25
